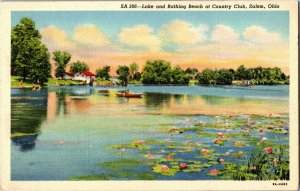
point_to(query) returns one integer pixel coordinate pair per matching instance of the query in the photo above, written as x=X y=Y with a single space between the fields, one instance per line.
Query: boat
x=129 y=95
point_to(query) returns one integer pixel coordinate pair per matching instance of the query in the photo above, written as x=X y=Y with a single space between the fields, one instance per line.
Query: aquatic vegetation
x=213 y=172
x=239 y=144
x=229 y=147
x=165 y=170
x=263 y=164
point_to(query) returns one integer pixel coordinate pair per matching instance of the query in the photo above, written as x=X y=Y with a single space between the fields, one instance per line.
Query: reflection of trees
x=61 y=101
x=28 y=111
x=157 y=99
x=178 y=98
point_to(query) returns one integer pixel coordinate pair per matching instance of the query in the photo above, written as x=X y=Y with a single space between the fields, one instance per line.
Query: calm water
x=72 y=126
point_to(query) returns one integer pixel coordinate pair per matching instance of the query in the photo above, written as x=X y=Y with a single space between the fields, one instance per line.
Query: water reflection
x=157 y=99
x=28 y=111
x=31 y=108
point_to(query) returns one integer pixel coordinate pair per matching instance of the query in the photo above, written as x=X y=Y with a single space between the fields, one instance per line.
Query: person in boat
x=127 y=92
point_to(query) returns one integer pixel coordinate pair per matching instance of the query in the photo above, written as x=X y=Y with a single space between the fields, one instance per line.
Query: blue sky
x=111 y=22
x=200 y=39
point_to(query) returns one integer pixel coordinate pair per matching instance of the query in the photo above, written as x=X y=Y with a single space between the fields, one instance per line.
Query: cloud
x=260 y=35
x=55 y=38
x=179 y=32
x=224 y=34
x=90 y=35
x=139 y=36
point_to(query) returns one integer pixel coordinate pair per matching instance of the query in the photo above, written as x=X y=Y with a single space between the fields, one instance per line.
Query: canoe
x=129 y=95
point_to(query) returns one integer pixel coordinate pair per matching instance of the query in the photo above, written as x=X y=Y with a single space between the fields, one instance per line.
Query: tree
x=207 y=77
x=157 y=72
x=61 y=61
x=123 y=72
x=79 y=66
x=29 y=56
x=133 y=69
x=103 y=73
x=224 y=77
x=242 y=73
x=191 y=72
x=178 y=76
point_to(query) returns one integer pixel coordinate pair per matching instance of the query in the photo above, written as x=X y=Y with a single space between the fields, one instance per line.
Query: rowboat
x=129 y=95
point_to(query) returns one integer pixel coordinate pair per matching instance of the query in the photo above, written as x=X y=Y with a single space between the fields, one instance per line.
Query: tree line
x=246 y=76
x=30 y=59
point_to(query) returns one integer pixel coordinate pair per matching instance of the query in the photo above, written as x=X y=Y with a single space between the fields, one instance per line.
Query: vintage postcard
x=149 y=95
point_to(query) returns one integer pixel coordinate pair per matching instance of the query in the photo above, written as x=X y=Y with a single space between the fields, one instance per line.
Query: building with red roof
x=85 y=76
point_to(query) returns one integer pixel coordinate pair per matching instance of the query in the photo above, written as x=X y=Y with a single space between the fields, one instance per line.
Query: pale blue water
x=75 y=124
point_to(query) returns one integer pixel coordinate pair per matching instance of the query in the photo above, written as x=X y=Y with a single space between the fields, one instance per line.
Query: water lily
x=227 y=153
x=164 y=168
x=198 y=143
x=268 y=150
x=220 y=135
x=216 y=141
x=182 y=166
x=170 y=156
x=221 y=160
x=138 y=142
x=263 y=139
x=162 y=151
x=149 y=155
x=261 y=131
x=213 y=172
x=204 y=151
x=167 y=140
x=123 y=150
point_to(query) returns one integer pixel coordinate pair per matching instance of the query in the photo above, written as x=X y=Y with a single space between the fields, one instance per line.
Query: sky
x=205 y=39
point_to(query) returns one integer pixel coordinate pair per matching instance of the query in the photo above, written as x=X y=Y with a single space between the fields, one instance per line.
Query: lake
x=64 y=132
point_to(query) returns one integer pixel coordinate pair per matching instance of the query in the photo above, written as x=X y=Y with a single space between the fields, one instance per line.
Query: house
x=84 y=76
x=69 y=75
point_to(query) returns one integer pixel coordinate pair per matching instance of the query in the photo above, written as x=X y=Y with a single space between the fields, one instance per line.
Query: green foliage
x=242 y=73
x=178 y=76
x=260 y=166
x=191 y=72
x=156 y=72
x=224 y=77
x=259 y=75
x=207 y=77
x=29 y=57
x=123 y=72
x=78 y=66
x=161 y=72
x=165 y=170
x=61 y=61
x=103 y=73
x=133 y=69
